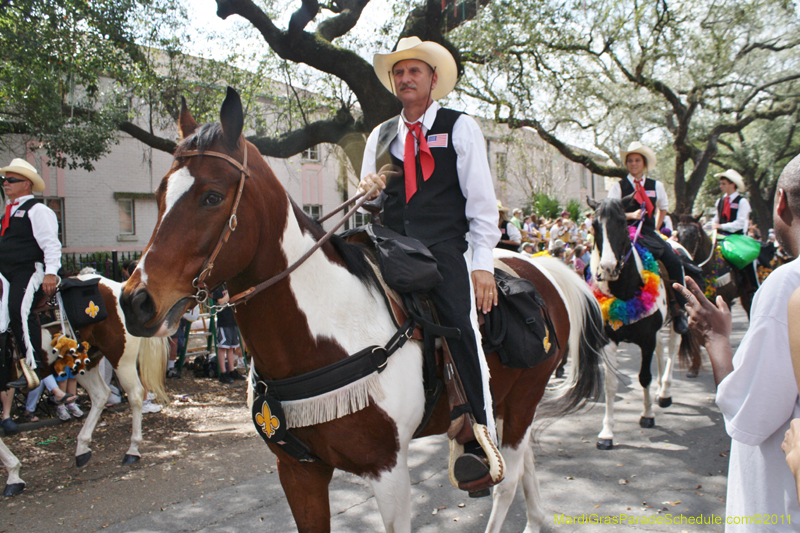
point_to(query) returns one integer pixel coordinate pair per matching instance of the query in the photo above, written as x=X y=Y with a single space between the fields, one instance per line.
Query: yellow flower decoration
x=269 y=423
x=92 y=310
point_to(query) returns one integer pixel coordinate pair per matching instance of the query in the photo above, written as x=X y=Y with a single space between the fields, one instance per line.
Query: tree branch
x=154 y=141
x=330 y=29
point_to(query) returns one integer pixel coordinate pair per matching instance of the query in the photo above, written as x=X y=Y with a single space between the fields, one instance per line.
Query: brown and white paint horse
x=329 y=307
x=114 y=342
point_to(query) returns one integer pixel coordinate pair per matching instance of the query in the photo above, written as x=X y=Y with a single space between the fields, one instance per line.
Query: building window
x=361 y=219
x=127 y=218
x=314 y=211
x=311 y=154
x=500 y=162
x=57 y=205
x=261 y=127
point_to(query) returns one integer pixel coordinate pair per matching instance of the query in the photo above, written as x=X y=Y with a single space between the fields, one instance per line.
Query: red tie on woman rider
x=409 y=158
x=642 y=198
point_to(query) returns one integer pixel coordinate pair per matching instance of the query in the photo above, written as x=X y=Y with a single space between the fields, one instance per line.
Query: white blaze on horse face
x=177 y=185
x=608 y=259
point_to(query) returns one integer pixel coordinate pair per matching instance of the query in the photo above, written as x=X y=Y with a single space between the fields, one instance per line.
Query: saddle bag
x=518 y=328
x=83 y=302
x=740 y=250
x=406 y=264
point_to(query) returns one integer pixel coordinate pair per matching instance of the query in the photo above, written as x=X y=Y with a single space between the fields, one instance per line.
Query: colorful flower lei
x=618 y=313
x=717 y=266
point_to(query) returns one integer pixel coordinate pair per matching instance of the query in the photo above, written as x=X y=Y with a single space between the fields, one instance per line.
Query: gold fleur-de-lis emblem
x=92 y=310
x=546 y=341
x=267 y=421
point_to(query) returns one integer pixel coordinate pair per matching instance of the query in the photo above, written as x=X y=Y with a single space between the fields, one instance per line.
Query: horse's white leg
x=605 y=440
x=129 y=379
x=393 y=494
x=14 y=484
x=664 y=394
x=533 y=498
x=519 y=466
x=99 y=392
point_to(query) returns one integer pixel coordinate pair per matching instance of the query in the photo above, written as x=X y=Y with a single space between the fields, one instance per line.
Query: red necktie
x=7 y=218
x=726 y=209
x=409 y=158
x=642 y=198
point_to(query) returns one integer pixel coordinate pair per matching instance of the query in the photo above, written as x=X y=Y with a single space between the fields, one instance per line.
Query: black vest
x=650 y=189
x=734 y=212
x=18 y=247
x=436 y=212
x=504 y=237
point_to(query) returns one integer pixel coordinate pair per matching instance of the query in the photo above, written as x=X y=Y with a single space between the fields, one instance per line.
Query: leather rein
x=201 y=288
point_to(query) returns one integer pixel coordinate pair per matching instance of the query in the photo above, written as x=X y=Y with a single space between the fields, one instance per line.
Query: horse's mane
x=353 y=255
x=202 y=138
x=610 y=208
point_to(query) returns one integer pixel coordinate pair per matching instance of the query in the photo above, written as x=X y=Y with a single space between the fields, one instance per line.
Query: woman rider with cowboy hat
x=649 y=204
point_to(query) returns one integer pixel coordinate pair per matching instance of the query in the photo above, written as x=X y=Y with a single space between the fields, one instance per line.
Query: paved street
x=678 y=467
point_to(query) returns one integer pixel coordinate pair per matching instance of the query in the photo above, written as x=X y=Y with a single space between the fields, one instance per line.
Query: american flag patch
x=19 y=213
x=437 y=141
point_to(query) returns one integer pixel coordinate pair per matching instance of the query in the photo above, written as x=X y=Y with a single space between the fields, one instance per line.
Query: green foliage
x=546 y=206
x=55 y=55
x=574 y=207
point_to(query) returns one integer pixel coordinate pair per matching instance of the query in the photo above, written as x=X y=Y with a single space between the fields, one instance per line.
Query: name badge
x=19 y=213
x=437 y=141
x=652 y=194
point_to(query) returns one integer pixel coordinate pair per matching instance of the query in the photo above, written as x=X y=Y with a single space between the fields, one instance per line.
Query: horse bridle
x=621 y=262
x=699 y=238
x=199 y=283
x=697 y=226
x=202 y=289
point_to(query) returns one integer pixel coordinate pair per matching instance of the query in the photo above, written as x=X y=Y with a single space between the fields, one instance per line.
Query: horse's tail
x=689 y=352
x=153 y=355
x=586 y=340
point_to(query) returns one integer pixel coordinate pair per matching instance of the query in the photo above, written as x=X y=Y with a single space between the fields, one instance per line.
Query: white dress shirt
x=662 y=200
x=474 y=177
x=742 y=221
x=44 y=224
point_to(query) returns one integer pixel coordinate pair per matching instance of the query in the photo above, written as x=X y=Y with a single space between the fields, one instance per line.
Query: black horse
x=618 y=272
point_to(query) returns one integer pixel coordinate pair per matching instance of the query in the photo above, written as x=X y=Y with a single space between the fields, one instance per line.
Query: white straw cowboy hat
x=645 y=151
x=431 y=53
x=25 y=169
x=734 y=177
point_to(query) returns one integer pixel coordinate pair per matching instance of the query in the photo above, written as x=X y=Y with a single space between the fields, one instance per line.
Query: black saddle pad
x=83 y=302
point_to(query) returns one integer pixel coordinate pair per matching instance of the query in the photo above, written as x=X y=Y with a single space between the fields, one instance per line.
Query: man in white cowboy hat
x=30 y=256
x=446 y=200
x=648 y=202
x=732 y=216
x=732 y=211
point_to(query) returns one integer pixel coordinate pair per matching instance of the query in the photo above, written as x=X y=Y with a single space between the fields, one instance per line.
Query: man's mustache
x=404 y=86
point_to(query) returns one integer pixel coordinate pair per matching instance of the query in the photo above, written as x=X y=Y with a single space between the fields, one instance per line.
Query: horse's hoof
x=605 y=444
x=129 y=459
x=82 y=459
x=665 y=402
x=691 y=374
x=13 y=489
x=647 y=423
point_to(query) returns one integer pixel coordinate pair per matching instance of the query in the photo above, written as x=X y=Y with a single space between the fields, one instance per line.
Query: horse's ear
x=232 y=118
x=186 y=122
x=591 y=202
x=696 y=217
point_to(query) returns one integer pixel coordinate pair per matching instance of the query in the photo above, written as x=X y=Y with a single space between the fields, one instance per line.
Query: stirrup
x=494 y=463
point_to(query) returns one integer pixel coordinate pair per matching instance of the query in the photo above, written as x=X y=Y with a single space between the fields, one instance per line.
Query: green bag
x=740 y=250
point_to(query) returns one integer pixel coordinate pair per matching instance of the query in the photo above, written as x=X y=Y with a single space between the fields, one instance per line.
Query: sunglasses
x=13 y=180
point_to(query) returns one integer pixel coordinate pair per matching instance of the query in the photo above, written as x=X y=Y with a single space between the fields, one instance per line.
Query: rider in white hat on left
x=30 y=256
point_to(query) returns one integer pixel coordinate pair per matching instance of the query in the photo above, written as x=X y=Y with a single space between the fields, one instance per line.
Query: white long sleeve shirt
x=474 y=177
x=44 y=224
x=662 y=200
x=742 y=221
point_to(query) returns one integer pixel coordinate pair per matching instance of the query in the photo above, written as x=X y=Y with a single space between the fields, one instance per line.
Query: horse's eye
x=212 y=199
